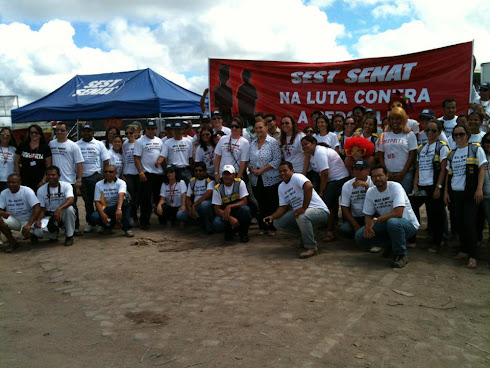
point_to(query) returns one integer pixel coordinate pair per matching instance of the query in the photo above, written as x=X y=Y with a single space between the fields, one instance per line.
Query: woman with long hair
x=464 y=189
x=324 y=134
x=205 y=150
x=130 y=172
x=110 y=133
x=397 y=149
x=8 y=146
x=172 y=197
x=32 y=158
x=115 y=153
x=290 y=144
x=349 y=130
x=265 y=157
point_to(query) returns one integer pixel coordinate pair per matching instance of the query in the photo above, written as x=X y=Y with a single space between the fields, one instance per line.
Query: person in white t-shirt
x=111 y=203
x=199 y=208
x=68 y=157
x=177 y=152
x=130 y=172
x=300 y=208
x=425 y=116
x=352 y=200
x=172 y=196
x=475 y=121
x=147 y=159
x=449 y=107
x=19 y=209
x=323 y=134
x=56 y=201
x=230 y=198
x=95 y=158
x=389 y=217
x=217 y=122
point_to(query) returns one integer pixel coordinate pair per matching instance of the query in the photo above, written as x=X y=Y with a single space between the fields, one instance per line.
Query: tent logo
x=98 y=87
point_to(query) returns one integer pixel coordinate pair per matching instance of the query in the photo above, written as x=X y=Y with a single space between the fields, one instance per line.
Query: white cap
x=229 y=168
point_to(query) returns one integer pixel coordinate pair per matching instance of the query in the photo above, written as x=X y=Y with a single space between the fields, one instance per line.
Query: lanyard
x=232 y=149
x=171 y=192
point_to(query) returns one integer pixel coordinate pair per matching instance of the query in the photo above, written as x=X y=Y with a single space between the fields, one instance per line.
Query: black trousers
x=435 y=211
x=149 y=194
x=466 y=213
x=268 y=201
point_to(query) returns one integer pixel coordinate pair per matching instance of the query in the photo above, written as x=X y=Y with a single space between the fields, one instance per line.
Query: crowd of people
x=222 y=176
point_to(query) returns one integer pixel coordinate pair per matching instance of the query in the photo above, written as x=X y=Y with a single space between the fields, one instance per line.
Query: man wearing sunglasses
x=217 y=122
x=111 y=203
x=272 y=127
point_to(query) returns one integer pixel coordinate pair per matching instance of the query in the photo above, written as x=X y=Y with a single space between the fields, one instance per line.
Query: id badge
x=33 y=163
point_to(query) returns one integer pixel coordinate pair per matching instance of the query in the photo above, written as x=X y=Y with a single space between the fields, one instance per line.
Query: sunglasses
x=206 y=135
x=34 y=133
x=129 y=133
x=430 y=130
x=307 y=131
x=108 y=172
x=268 y=121
x=349 y=123
x=5 y=135
x=235 y=126
x=216 y=118
x=459 y=134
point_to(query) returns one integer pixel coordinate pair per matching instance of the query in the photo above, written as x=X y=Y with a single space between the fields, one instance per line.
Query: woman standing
x=205 y=150
x=110 y=133
x=130 y=172
x=115 y=153
x=323 y=134
x=430 y=176
x=349 y=129
x=290 y=143
x=32 y=158
x=265 y=157
x=369 y=130
x=8 y=147
x=464 y=188
x=397 y=148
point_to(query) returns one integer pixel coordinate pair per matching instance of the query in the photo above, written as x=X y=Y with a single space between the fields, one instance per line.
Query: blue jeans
x=111 y=213
x=407 y=181
x=242 y=214
x=206 y=216
x=304 y=223
x=346 y=230
x=393 y=232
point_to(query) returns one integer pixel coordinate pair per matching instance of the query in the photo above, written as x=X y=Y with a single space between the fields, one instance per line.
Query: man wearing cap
x=217 y=122
x=68 y=157
x=425 y=116
x=147 y=160
x=95 y=158
x=230 y=206
x=352 y=200
x=177 y=152
x=389 y=218
x=300 y=208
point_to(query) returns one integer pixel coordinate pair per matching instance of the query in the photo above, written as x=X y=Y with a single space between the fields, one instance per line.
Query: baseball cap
x=179 y=125
x=151 y=124
x=88 y=126
x=370 y=111
x=205 y=117
x=217 y=113
x=427 y=113
x=229 y=168
x=362 y=163
x=171 y=168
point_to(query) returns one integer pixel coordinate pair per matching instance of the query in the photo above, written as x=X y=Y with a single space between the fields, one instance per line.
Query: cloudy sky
x=45 y=43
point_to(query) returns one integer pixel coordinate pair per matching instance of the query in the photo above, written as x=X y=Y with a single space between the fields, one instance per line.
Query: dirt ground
x=182 y=299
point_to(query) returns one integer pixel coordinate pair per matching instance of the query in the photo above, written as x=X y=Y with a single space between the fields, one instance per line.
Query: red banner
x=244 y=87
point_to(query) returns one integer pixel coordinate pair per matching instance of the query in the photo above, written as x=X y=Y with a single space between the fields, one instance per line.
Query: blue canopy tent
x=112 y=95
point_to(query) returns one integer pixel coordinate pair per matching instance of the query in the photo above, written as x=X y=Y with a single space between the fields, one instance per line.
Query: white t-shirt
x=426 y=162
x=330 y=138
x=486 y=183
x=149 y=151
x=393 y=196
x=66 y=156
x=110 y=190
x=232 y=151
x=207 y=157
x=476 y=138
x=200 y=188
x=7 y=162
x=228 y=191
x=128 y=159
x=448 y=125
x=224 y=129
x=55 y=199
x=292 y=194
x=414 y=125
x=458 y=164
x=173 y=193
x=94 y=154
x=327 y=158
x=396 y=148
x=422 y=138
x=177 y=152
x=354 y=197
x=293 y=152
x=19 y=204
x=116 y=159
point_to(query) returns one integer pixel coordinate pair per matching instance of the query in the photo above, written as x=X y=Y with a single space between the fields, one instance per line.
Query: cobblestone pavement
x=188 y=300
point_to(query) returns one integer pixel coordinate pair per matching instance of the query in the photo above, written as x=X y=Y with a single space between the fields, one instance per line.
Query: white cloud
x=385 y=10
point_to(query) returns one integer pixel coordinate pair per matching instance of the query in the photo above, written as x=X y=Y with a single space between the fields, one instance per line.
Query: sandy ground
x=183 y=299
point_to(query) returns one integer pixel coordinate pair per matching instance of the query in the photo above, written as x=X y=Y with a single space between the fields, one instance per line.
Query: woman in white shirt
x=323 y=134
x=397 y=148
x=290 y=144
x=130 y=172
x=205 y=150
x=115 y=153
x=172 y=197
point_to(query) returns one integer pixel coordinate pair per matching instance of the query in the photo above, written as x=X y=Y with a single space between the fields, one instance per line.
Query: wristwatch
x=439 y=186
x=375 y=219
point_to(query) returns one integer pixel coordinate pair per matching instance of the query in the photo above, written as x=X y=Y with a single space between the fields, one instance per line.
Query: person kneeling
x=230 y=206
x=111 y=203
x=307 y=208
x=56 y=200
x=198 y=200
x=389 y=217
x=172 y=197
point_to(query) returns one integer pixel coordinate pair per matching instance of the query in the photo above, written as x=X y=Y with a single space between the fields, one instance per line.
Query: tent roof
x=110 y=95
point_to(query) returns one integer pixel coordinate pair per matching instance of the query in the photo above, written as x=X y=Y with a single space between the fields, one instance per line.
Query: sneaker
x=472 y=263
x=69 y=241
x=308 y=253
x=244 y=238
x=460 y=256
x=90 y=229
x=376 y=249
x=77 y=232
x=434 y=249
x=399 y=261
x=129 y=234
x=263 y=232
